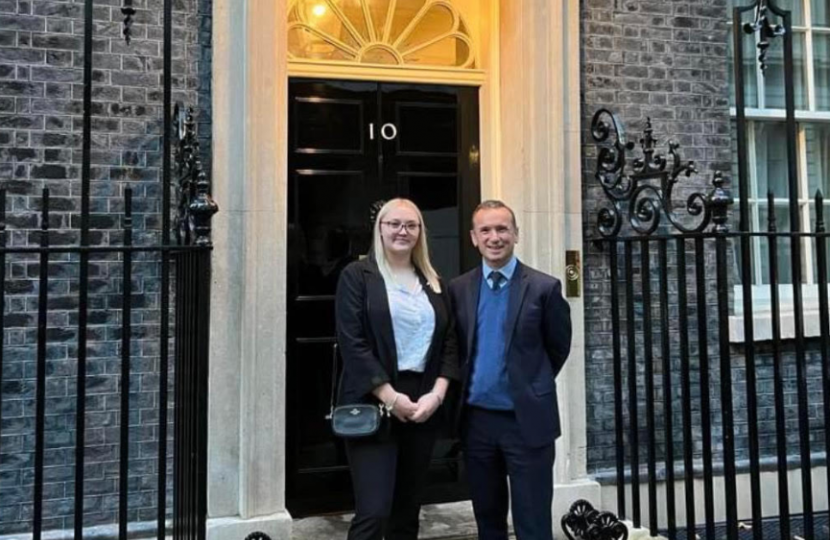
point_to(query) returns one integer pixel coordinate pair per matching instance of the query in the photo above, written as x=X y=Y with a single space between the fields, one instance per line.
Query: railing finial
x=720 y=199
x=195 y=205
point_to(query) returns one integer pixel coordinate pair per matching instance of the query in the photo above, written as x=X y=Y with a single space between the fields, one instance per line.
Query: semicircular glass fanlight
x=381 y=32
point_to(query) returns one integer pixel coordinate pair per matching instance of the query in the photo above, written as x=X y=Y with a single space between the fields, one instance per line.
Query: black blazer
x=538 y=341
x=366 y=339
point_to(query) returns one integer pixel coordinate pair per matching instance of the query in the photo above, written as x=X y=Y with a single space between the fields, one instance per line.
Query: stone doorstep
x=641 y=533
x=453 y=521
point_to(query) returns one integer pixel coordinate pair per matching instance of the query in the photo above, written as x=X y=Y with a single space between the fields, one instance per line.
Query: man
x=514 y=335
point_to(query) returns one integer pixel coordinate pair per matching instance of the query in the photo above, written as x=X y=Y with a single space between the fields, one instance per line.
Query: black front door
x=353 y=145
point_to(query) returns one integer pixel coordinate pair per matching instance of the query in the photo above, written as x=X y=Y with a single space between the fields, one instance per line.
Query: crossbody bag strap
x=333 y=379
x=334 y=350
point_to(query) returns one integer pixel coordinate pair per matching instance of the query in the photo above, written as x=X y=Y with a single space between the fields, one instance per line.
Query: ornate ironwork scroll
x=129 y=12
x=583 y=521
x=195 y=205
x=768 y=31
x=641 y=190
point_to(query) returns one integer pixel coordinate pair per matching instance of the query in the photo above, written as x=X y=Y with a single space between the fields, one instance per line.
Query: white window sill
x=762 y=314
x=763 y=326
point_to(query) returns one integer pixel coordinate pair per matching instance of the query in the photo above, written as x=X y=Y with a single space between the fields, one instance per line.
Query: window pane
x=797 y=8
x=736 y=250
x=750 y=72
x=821 y=66
x=818 y=159
x=735 y=181
x=774 y=75
x=814 y=240
x=771 y=159
x=820 y=12
x=783 y=256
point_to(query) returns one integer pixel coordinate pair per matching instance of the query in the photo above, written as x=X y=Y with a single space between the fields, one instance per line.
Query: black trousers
x=389 y=474
x=495 y=450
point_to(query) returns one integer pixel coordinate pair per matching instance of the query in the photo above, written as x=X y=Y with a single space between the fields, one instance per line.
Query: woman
x=397 y=341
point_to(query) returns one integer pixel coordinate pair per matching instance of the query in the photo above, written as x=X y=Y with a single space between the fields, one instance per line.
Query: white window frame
x=762 y=315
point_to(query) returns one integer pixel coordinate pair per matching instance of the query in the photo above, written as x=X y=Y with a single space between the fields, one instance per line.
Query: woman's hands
x=427 y=405
x=395 y=402
x=405 y=410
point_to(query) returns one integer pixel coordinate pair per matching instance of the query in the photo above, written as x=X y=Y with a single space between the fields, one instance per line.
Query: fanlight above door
x=380 y=32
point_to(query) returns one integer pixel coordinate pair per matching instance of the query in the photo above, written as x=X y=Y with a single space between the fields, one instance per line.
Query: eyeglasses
x=410 y=226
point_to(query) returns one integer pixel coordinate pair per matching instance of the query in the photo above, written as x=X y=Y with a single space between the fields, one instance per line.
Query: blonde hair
x=420 y=253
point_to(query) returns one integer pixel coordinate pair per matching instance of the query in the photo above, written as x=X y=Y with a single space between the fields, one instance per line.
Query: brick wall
x=41 y=91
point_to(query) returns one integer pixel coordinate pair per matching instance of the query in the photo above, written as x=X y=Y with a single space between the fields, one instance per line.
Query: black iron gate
x=111 y=320
x=680 y=340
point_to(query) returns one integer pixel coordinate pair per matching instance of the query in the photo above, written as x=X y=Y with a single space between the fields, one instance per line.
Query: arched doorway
x=351 y=145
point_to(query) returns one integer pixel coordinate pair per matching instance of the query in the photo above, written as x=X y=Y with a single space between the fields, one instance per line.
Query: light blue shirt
x=413 y=323
x=507 y=271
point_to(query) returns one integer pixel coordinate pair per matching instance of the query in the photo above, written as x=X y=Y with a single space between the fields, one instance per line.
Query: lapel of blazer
x=379 y=317
x=473 y=292
x=518 y=290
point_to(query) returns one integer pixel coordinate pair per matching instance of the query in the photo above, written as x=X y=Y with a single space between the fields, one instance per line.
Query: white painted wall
x=246 y=465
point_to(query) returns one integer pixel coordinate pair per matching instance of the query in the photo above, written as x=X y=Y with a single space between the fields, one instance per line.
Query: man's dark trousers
x=494 y=450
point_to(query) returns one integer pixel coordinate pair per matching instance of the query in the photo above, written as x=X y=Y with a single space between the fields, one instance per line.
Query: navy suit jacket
x=537 y=343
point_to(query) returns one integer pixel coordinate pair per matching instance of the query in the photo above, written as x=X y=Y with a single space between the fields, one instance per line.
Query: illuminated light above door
x=380 y=32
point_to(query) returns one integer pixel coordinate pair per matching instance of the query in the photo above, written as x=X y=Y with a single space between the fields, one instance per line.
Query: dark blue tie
x=498 y=279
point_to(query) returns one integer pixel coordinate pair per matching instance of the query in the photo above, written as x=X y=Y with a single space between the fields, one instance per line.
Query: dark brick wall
x=668 y=60
x=41 y=91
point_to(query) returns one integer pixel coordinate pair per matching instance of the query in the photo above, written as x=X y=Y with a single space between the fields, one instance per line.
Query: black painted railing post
x=2 y=299
x=164 y=335
x=192 y=227
x=720 y=200
x=778 y=375
x=619 y=420
x=40 y=384
x=83 y=275
x=126 y=329
x=738 y=31
x=824 y=318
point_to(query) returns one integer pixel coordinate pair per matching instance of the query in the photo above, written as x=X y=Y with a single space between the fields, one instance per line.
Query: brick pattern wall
x=41 y=92
x=668 y=60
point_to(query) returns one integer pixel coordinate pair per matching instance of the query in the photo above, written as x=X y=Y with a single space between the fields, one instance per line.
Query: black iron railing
x=671 y=301
x=191 y=268
x=694 y=352
x=671 y=267
x=176 y=281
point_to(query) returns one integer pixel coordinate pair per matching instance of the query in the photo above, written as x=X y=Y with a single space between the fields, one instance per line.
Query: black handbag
x=357 y=420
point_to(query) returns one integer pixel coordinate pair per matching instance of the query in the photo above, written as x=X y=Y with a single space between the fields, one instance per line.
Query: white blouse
x=413 y=323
